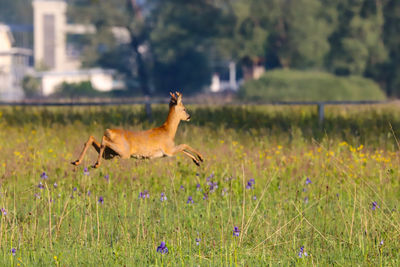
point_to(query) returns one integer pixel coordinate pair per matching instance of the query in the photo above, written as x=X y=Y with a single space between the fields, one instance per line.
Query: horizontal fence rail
x=147 y=103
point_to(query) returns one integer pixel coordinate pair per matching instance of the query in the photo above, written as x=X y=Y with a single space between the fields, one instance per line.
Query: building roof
x=7 y=30
x=16 y=51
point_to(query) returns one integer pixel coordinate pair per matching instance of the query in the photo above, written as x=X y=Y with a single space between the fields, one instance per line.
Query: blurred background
x=255 y=50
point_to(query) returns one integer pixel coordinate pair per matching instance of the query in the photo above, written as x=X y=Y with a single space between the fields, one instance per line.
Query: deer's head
x=179 y=109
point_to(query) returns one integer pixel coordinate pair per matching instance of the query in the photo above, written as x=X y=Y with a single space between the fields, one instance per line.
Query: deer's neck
x=171 y=124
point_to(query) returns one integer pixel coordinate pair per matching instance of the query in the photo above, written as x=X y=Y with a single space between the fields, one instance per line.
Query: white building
x=51 y=50
x=219 y=85
x=14 y=64
x=101 y=80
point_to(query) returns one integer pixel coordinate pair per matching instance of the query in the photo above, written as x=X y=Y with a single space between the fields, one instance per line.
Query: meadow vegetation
x=276 y=188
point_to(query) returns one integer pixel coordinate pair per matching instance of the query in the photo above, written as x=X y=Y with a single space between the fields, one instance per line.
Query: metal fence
x=147 y=104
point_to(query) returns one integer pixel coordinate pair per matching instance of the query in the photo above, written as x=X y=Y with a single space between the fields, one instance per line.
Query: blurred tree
x=181 y=41
x=168 y=40
x=388 y=73
x=246 y=36
x=357 y=41
x=16 y=11
x=103 y=48
x=31 y=87
x=300 y=31
x=291 y=33
x=243 y=37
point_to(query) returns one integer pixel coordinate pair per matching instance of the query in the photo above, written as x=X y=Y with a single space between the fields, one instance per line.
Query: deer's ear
x=179 y=99
x=172 y=95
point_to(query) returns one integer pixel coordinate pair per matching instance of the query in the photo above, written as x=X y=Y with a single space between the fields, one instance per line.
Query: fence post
x=147 y=108
x=321 y=113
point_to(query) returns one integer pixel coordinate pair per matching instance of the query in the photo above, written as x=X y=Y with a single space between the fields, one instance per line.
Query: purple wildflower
x=40 y=185
x=44 y=175
x=236 y=231
x=75 y=189
x=55 y=185
x=254 y=197
x=182 y=188
x=302 y=252
x=250 y=184
x=306 y=200
x=162 y=248
x=37 y=195
x=107 y=177
x=3 y=211
x=85 y=171
x=190 y=200
x=381 y=243
x=374 y=205
x=163 y=197
x=145 y=194
x=213 y=186
x=101 y=200
x=89 y=193
x=13 y=251
x=304 y=189
x=308 y=181
x=198 y=187
x=198 y=241
x=205 y=196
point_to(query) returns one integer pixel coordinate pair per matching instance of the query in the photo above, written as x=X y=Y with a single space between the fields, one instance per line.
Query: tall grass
x=347 y=215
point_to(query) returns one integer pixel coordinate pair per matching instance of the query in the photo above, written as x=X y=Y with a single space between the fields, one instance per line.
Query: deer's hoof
x=196 y=162
x=76 y=162
x=96 y=165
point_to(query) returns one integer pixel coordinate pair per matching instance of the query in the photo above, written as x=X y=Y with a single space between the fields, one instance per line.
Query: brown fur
x=153 y=143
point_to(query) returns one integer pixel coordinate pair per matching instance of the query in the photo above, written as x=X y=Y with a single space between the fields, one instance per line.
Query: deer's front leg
x=191 y=149
x=181 y=148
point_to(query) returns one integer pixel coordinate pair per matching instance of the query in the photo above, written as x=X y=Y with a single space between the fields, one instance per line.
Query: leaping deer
x=154 y=143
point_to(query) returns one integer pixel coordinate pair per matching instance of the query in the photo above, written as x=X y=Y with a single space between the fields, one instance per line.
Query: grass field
x=321 y=195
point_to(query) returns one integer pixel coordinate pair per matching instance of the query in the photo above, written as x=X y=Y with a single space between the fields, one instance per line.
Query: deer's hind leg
x=109 y=147
x=90 y=141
